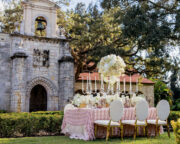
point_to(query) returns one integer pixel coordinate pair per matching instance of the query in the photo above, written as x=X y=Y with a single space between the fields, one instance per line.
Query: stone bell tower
x=42 y=73
x=39 y=8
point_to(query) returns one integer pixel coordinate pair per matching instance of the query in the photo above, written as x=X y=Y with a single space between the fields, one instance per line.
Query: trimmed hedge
x=30 y=124
x=174 y=115
x=49 y=112
x=39 y=123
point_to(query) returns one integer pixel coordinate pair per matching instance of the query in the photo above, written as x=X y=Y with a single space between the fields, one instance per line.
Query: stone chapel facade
x=36 y=73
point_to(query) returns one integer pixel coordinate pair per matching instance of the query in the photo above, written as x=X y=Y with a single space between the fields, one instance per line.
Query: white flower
x=136 y=99
x=79 y=99
x=123 y=99
x=111 y=66
x=109 y=99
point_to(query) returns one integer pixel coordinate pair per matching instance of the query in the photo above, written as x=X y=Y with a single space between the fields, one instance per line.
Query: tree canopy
x=143 y=33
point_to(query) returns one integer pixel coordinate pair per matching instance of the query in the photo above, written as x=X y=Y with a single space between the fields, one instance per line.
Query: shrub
x=174 y=115
x=176 y=129
x=176 y=104
x=30 y=124
x=49 y=112
x=3 y=111
x=161 y=91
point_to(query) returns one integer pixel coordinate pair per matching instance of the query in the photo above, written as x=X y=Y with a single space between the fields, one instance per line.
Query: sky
x=1 y=6
x=72 y=5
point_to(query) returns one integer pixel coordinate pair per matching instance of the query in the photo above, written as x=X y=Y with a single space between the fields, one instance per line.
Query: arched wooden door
x=38 y=99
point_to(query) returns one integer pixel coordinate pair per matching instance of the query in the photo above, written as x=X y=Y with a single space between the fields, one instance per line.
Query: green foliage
x=174 y=115
x=176 y=104
x=137 y=31
x=147 y=25
x=176 y=129
x=48 y=112
x=161 y=91
x=141 y=32
x=30 y=124
x=175 y=86
x=13 y=13
x=93 y=36
x=3 y=111
x=108 y=4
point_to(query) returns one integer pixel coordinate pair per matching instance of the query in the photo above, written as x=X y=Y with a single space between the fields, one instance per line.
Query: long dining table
x=78 y=123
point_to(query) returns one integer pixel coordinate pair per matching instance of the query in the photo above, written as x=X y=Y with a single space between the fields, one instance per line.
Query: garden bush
x=174 y=115
x=176 y=129
x=30 y=124
x=161 y=91
x=3 y=111
x=49 y=112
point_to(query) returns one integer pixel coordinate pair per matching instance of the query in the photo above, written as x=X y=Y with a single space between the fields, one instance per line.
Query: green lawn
x=163 y=139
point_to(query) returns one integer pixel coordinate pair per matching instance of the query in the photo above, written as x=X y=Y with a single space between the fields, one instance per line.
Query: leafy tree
x=161 y=91
x=175 y=86
x=153 y=28
x=92 y=32
x=108 y=4
x=12 y=13
x=142 y=32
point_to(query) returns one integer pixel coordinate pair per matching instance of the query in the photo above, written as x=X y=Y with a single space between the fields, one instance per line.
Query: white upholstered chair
x=141 y=110
x=116 y=113
x=68 y=106
x=163 y=110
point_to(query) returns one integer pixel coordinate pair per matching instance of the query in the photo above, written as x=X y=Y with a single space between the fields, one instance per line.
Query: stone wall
x=147 y=89
x=5 y=72
x=41 y=64
x=51 y=77
x=66 y=82
x=49 y=73
x=18 y=82
x=66 y=76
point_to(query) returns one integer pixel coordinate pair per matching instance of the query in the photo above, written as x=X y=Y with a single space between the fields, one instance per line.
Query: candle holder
x=90 y=84
x=102 y=84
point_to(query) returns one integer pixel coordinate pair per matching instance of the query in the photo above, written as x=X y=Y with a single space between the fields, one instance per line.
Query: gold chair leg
x=147 y=132
x=107 y=134
x=95 y=131
x=156 y=130
x=112 y=131
x=135 y=130
x=122 y=132
x=168 y=130
x=159 y=130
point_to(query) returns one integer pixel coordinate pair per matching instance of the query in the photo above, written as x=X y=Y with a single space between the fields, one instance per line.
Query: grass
x=163 y=139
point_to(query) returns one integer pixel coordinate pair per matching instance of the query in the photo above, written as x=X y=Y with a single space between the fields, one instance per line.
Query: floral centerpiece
x=80 y=100
x=136 y=99
x=111 y=67
x=98 y=101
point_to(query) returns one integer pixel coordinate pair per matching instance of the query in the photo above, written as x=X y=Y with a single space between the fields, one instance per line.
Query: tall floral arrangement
x=111 y=67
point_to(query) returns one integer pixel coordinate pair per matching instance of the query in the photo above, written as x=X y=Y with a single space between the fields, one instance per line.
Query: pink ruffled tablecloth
x=78 y=123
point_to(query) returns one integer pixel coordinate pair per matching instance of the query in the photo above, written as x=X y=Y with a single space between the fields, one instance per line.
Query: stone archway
x=51 y=92
x=38 y=99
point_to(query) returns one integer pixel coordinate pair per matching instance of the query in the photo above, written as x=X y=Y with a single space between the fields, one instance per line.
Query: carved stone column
x=18 y=79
